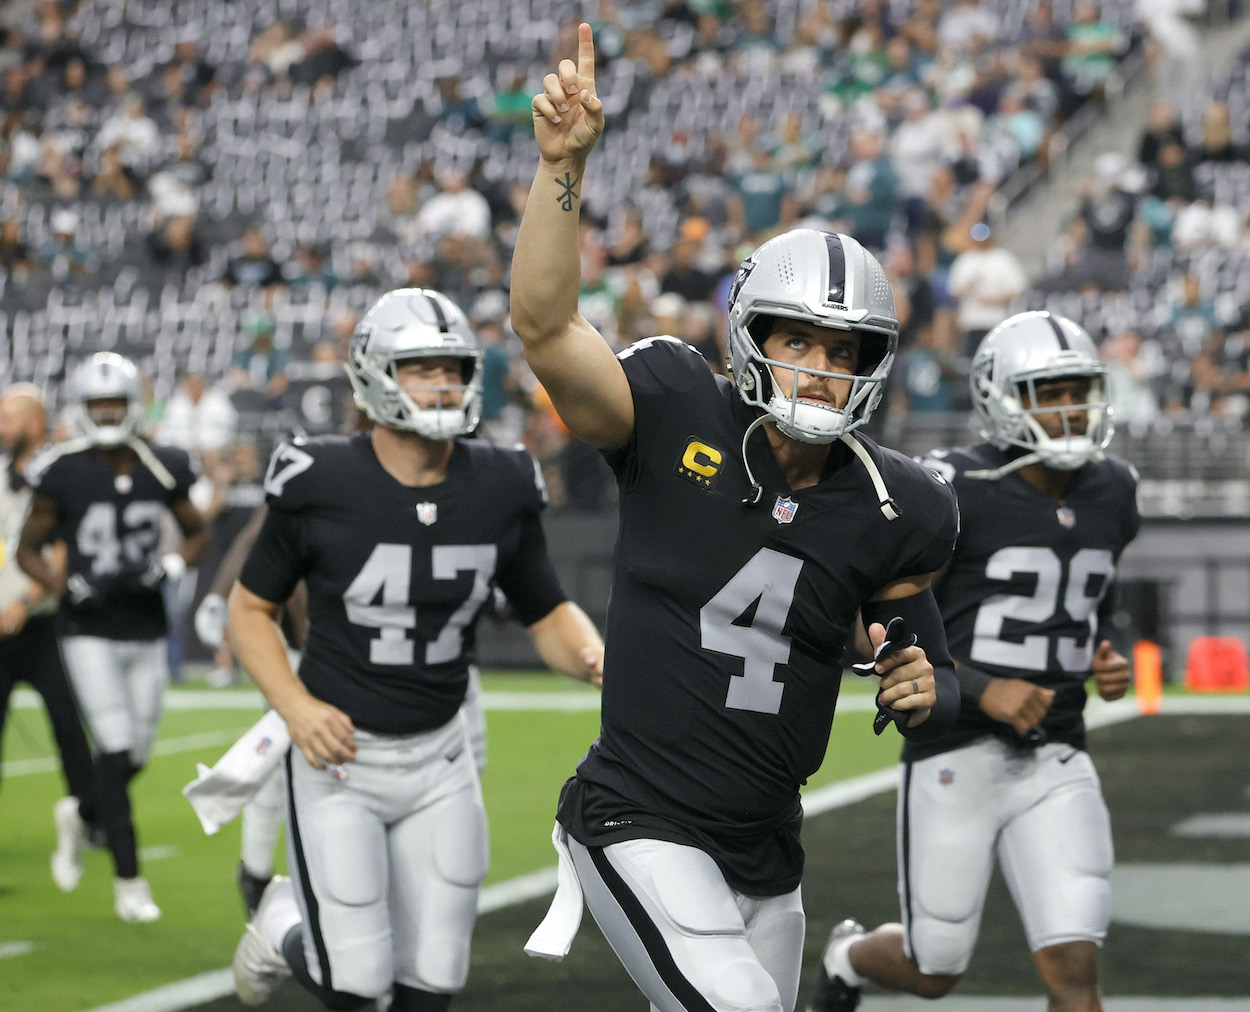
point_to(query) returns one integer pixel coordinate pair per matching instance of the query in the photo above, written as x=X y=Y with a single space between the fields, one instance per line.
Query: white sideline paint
x=216 y=984
x=1228 y=825
x=10 y=949
x=166 y=746
x=1182 y=897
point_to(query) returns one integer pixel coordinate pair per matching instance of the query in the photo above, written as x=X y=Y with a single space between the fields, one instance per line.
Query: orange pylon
x=1148 y=675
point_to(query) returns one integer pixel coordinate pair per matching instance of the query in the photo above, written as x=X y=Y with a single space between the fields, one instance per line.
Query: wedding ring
x=915 y=687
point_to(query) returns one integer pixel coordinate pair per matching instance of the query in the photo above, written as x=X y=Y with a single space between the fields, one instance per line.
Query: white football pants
x=1040 y=813
x=387 y=853
x=689 y=941
x=120 y=687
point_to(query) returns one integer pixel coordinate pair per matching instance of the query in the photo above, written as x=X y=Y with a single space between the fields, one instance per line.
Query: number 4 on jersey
x=766 y=584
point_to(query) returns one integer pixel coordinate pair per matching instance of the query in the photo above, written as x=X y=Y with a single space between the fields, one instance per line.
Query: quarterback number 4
x=378 y=599
x=767 y=582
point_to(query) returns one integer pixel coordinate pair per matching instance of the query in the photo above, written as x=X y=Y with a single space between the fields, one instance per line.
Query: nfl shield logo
x=946 y=776
x=262 y=747
x=427 y=512
x=1066 y=517
x=784 y=509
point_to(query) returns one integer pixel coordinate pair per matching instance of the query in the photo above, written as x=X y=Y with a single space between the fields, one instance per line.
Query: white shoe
x=132 y=899
x=67 y=858
x=258 y=965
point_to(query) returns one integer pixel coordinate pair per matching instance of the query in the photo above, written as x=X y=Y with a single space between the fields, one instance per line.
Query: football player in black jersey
x=104 y=494
x=401 y=534
x=28 y=642
x=755 y=524
x=1046 y=514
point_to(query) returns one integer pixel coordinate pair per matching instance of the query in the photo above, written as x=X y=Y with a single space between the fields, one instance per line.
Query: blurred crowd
x=920 y=111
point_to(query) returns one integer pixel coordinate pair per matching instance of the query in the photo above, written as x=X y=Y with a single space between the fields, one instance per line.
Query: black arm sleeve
x=920 y=612
x=972 y=682
x=1106 y=629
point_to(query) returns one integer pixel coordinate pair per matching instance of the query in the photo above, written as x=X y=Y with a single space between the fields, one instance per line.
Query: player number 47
x=378 y=598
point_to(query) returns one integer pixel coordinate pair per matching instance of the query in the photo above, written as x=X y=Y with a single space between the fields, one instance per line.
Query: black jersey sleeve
x=930 y=510
x=47 y=474
x=528 y=578
x=178 y=463
x=292 y=480
x=274 y=565
x=656 y=367
x=525 y=575
x=1132 y=521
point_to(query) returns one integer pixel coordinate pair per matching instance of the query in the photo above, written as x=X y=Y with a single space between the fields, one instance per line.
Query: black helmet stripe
x=837 y=269
x=1059 y=334
x=444 y=325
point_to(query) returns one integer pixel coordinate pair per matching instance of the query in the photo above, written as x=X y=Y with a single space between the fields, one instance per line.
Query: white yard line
x=10 y=949
x=166 y=746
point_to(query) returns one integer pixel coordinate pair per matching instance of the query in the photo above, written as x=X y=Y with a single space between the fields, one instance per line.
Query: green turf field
x=66 y=953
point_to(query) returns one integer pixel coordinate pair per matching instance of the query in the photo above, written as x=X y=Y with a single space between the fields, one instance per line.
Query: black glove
x=896 y=638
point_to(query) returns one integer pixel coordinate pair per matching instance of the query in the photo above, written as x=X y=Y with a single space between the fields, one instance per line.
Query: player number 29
x=1077 y=591
x=378 y=599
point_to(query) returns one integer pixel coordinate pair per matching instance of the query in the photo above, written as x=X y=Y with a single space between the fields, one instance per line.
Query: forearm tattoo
x=566 y=196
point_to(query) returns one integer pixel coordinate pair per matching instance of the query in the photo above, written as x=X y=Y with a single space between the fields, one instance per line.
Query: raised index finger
x=586 y=57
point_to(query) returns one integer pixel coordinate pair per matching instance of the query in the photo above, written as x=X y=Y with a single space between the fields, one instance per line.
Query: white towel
x=554 y=937
x=219 y=794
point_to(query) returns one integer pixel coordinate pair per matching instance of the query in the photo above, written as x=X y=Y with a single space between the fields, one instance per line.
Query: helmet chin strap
x=757 y=490
x=144 y=452
x=994 y=473
x=886 y=504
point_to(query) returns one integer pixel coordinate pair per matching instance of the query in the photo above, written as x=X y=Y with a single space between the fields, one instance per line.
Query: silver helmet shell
x=105 y=376
x=1022 y=351
x=827 y=279
x=412 y=323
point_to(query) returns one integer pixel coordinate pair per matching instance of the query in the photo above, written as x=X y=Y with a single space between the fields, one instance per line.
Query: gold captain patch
x=700 y=463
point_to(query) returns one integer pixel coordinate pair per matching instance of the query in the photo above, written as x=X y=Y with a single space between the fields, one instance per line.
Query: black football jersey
x=1028 y=575
x=727 y=623
x=111 y=525
x=397 y=576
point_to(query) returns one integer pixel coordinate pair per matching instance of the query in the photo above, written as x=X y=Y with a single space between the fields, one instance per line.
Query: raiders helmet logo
x=744 y=272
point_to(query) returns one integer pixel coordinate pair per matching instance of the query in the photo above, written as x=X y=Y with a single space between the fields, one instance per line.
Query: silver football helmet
x=823 y=278
x=412 y=323
x=105 y=376
x=1022 y=351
